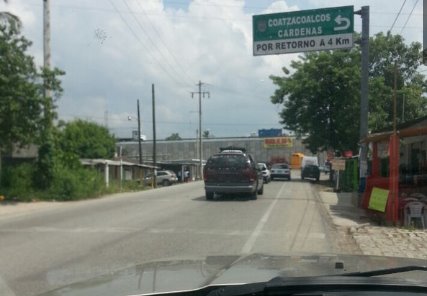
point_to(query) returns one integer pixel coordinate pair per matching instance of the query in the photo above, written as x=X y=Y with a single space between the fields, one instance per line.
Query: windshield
x=280 y=166
x=141 y=136
x=227 y=161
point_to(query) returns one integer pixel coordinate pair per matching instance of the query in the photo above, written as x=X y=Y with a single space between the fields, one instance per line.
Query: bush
x=17 y=182
x=75 y=184
x=132 y=185
x=125 y=186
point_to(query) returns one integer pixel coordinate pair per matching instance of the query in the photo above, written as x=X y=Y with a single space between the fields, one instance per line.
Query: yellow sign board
x=378 y=200
x=278 y=142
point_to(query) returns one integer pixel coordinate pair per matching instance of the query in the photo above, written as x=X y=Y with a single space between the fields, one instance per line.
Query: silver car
x=280 y=171
x=164 y=178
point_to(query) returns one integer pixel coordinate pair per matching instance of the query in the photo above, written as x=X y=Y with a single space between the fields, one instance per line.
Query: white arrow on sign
x=339 y=20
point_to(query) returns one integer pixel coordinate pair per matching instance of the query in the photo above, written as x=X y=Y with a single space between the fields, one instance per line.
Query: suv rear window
x=221 y=161
x=280 y=166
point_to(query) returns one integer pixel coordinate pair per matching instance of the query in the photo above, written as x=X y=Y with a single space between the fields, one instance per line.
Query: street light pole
x=139 y=134
x=154 y=136
x=200 y=130
x=200 y=93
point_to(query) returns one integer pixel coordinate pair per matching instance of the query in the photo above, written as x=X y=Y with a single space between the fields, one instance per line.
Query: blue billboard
x=272 y=132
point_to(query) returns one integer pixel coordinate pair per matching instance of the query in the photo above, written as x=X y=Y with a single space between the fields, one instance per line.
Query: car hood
x=183 y=274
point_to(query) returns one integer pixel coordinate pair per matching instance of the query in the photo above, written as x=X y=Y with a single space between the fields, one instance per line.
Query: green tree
x=173 y=137
x=321 y=97
x=22 y=104
x=46 y=154
x=84 y=139
x=390 y=56
x=24 y=109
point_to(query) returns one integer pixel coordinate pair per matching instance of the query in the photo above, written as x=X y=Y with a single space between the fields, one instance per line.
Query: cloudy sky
x=113 y=51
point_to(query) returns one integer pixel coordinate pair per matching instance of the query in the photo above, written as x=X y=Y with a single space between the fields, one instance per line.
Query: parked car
x=324 y=168
x=164 y=178
x=280 y=171
x=266 y=173
x=310 y=171
x=232 y=171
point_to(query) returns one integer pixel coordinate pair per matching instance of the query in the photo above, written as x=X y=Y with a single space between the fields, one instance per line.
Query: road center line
x=252 y=239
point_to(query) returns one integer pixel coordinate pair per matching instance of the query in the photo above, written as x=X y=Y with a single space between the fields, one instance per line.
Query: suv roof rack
x=232 y=149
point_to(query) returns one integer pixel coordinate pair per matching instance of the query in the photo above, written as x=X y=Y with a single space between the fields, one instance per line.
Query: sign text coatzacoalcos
x=306 y=30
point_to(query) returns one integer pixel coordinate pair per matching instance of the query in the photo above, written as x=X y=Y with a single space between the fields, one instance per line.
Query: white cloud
x=112 y=56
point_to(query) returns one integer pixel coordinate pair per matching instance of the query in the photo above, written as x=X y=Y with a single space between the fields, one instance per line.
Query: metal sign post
x=338 y=165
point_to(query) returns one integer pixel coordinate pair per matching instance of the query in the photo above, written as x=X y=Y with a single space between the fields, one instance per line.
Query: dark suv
x=310 y=171
x=232 y=171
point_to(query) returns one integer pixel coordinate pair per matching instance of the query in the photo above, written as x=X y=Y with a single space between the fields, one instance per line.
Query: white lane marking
x=192 y=231
x=4 y=289
x=251 y=241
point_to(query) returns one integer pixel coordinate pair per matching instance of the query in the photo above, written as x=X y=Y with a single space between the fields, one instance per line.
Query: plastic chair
x=407 y=200
x=417 y=195
x=421 y=197
x=414 y=210
x=402 y=204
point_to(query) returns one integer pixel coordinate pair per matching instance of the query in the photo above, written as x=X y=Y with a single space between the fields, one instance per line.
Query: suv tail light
x=250 y=174
x=207 y=173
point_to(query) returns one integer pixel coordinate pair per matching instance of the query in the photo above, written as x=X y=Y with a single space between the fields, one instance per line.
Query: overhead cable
x=397 y=16
x=409 y=16
x=143 y=45
x=152 y=41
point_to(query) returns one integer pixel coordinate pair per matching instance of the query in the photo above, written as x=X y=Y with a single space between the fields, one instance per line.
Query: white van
x=309 y=160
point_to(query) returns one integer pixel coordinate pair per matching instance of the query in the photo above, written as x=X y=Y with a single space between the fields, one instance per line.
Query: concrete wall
x=188 y=149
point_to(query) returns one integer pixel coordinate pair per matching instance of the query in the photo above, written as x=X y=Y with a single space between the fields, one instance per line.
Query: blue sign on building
x=272 y=132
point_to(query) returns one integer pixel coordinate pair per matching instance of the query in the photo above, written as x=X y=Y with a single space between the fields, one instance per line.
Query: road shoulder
x=360 y=235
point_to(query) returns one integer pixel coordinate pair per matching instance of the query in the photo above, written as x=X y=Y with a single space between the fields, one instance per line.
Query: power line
x=113 y=121
x=140 y=41
x=190 y=18
x=416 y=2
x=397 y=16
x=151 y=39
x=164 y=44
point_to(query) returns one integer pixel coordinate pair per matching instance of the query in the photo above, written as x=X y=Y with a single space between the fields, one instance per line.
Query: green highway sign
x=306 y=30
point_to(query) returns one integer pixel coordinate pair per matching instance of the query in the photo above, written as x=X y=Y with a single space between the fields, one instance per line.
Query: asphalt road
x=55 y=246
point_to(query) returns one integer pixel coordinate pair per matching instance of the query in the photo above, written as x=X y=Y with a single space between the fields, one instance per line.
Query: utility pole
x=394 y=160
x=200 y=93
x=425 y=32
x=46 y=33
x=364 y=107
x=139 y=134
x=403 y=108
x=47 y=60
x=395 y=100
x=106 y=119
x=154 y=135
